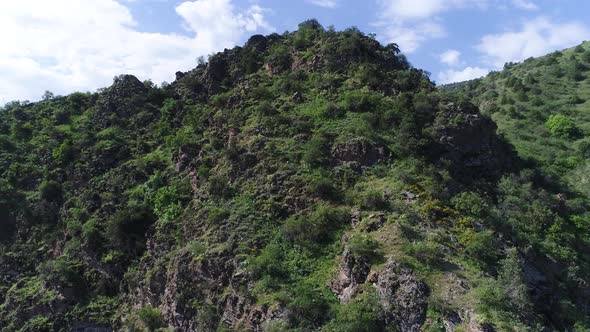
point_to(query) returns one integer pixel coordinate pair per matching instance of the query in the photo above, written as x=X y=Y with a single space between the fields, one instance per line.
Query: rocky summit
x=308 y=181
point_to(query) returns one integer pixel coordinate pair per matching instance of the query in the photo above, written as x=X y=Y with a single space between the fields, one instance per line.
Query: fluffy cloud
x=409 y=23
x=324 y=3
x=65 y=45
x=466 y=74
x=450 y=57
x=537 y=37
x=525 y=4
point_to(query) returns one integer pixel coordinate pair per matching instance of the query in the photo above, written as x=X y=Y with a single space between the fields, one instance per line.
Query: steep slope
x=523 y=98
x=307 y=181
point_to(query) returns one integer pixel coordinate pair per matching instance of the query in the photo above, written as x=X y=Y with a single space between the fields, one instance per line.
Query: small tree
x=560 y=125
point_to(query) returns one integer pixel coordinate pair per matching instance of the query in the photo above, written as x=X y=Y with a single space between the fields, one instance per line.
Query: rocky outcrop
x=468 y=140
x=358 y=153
x=353 y=271
x=121 y=99
x=403 y=297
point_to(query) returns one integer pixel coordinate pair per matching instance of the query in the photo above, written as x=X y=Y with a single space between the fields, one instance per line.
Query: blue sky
x=80 y=45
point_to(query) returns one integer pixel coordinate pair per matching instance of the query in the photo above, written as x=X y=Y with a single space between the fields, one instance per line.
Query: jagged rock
x=352 y=273
x=241 y=311
x=403 y=297
x=451 y=321
x=469 y=141
x=355 y=217
x=375 y=222
x=358 y=153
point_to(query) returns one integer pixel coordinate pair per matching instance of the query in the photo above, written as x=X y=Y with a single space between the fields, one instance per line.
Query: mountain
x=309 y=181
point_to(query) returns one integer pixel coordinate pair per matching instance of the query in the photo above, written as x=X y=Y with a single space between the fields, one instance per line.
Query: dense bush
x=50 y=190
x=315 y=228
x=561 y=126
x=151 y=318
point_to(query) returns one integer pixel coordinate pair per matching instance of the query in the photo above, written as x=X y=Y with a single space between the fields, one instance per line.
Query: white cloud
x=65 y=45
x=409 y=23
x=537 y=37
x=324 y=3
x=525 y=4
x=450 y=57
x=468 y=73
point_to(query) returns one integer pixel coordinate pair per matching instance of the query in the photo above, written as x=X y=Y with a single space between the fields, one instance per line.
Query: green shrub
x=470 y=203
x=151 y=317
x=363 y=313
x=38 y=323
x=279 y=57
x=482 y=247
x=373 y=200
x=317 y=150
x=316 y=228
x=91 y=232
x=216 y=215
x=323 y=186
x=50 y=190
x=362 y=245
x=561 y=126
x=427 y=252
x=332 y=110
x=309 y=308
x=218 y=186
x=64 y=153
x=166 y=202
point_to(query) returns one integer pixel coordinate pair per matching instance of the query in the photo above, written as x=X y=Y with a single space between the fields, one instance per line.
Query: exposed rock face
x=403 y=297
x=352 y=273
x=358 y=153
x=218 y=282
x=469 y=141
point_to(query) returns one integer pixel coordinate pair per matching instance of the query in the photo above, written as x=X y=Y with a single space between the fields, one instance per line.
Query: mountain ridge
x=313 y=180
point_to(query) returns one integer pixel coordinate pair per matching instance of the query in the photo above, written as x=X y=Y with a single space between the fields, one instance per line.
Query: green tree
x=561 y=126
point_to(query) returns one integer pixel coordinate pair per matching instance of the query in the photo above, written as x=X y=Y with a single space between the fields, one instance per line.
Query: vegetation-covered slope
x=307 y=181
x=542 y=106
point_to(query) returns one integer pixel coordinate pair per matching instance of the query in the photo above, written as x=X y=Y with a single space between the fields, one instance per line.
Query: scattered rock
x=409 y=196
x=403 y=297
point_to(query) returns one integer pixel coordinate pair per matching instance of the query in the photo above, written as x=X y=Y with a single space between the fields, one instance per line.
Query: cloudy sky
x=80 y=45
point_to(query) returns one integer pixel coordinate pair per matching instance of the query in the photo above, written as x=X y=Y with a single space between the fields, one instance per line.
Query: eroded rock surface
x=353 y=272
x=403 y=297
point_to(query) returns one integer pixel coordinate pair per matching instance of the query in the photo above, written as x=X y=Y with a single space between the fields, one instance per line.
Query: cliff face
x=307 y=181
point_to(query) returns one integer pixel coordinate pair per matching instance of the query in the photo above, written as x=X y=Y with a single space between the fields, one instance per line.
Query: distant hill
x=523 y=98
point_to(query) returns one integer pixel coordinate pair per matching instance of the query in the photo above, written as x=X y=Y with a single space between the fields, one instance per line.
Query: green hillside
x=309 y=181
x=523 y=98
